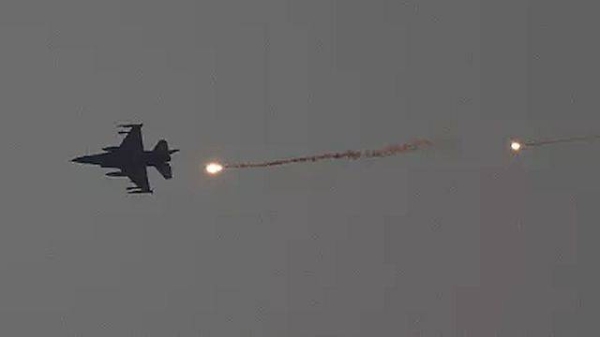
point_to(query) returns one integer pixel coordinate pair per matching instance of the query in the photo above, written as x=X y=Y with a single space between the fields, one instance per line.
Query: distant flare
x=515 y=146
x=214 y=168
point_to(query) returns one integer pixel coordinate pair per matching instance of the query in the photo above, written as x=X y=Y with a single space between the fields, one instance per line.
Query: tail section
x=165 y=170
x=161 y=147
x=163 y=156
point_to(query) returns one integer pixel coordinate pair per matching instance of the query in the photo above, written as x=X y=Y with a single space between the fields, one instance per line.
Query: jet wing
x=139 y=176
x=133 y=141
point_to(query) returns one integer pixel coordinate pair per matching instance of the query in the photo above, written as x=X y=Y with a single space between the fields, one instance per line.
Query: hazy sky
x=463 y=240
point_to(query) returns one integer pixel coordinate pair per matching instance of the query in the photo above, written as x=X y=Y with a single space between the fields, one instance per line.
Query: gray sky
x=463 y=240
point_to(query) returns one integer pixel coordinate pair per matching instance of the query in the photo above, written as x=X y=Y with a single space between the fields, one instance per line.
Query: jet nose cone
x=81 y=160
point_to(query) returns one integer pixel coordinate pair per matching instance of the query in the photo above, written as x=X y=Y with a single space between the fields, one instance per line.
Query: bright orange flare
x=515 y=146
x=214 y=168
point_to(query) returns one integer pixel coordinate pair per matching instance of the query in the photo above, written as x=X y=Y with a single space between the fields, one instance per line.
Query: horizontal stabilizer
x=165 y=170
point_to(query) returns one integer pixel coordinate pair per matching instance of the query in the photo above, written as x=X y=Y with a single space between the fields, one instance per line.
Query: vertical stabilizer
x=161 y=147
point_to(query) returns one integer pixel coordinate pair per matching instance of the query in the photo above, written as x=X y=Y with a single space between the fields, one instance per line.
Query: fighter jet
x=131 y=160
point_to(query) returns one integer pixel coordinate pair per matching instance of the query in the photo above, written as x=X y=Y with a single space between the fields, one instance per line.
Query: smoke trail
x=564 y=140
x=354 y=155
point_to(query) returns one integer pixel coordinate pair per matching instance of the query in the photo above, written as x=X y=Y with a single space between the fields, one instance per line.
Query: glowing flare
x=515 y=146
x=214 y=168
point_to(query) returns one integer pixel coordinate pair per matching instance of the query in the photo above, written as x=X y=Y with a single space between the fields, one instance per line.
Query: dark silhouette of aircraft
x=131 y=159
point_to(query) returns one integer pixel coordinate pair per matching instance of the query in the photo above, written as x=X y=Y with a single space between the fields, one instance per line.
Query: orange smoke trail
x=383 y=152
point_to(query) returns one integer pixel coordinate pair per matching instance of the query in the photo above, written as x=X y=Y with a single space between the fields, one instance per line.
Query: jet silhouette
x=131 y=159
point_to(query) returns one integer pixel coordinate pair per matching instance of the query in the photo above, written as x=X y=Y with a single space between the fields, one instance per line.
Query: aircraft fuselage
x=117 y=159
x=131 y=159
